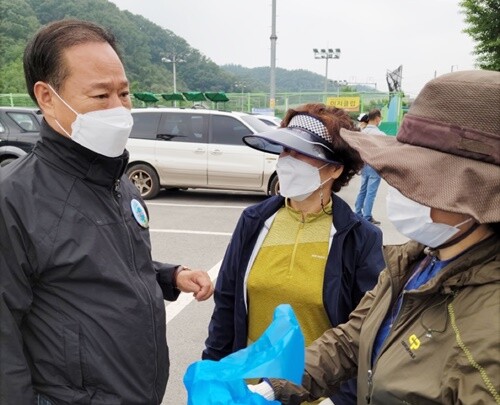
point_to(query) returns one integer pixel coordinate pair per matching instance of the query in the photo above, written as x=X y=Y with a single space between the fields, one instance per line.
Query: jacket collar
x=77 y=160
x=343 y=217
x=478 y=266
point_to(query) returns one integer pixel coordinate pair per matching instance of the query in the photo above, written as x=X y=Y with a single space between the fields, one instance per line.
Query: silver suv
x=195 y=148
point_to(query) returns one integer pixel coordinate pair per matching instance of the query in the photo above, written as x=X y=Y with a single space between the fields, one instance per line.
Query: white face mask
x=414 y=220
x=298 y=179
x=103 y=131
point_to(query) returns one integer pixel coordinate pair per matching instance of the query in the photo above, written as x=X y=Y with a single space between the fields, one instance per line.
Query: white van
x=195 y=148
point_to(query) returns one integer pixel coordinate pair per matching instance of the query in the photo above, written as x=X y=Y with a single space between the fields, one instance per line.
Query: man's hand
x=196 y=281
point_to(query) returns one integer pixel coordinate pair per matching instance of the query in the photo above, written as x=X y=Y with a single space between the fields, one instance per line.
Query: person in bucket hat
x=304 y=247
x=428 y=333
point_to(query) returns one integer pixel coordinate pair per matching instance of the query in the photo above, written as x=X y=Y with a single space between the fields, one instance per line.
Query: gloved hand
x=289 y=393
x=264 y=389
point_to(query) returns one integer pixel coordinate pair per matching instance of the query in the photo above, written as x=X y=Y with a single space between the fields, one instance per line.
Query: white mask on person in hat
x=298 y=179
x=413 y=220
x=103 y=131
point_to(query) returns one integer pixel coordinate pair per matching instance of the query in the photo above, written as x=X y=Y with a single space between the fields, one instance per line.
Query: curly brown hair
x=333 y=119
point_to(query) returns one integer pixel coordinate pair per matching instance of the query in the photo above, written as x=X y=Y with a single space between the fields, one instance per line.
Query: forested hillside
x=143 y=44
x=286 y=80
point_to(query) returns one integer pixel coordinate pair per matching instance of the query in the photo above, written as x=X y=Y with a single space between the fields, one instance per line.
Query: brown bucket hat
x=446 y=154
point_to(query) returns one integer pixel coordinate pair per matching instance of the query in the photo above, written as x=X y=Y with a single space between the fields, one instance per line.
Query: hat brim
x=302 y=141
x=436 y=179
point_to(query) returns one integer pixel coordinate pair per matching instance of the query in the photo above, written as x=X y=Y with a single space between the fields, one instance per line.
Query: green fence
x=246 y=102
x=239 y=101
x=16 y=100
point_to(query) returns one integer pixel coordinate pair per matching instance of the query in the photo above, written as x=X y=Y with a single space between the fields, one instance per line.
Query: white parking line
x=190 y=232
x=184 y=299
x=238 y=207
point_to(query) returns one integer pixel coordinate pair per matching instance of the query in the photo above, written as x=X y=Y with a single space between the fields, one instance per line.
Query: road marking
x=174 y=308
x=238 y=207
x=190 y=232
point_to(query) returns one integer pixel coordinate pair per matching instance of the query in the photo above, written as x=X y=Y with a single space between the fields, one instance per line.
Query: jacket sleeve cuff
x=165 y=275
x=264 y=389
x=289 y=393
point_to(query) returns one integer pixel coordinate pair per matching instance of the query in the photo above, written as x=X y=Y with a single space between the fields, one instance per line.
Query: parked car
x=270 y=120
x=19 y=131
x=196 y=148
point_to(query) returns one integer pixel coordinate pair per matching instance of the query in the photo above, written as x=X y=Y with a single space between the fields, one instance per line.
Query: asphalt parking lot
x=193 y=227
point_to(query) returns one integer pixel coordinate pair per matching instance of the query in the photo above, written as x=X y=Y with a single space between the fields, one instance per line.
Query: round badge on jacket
x=140 y=215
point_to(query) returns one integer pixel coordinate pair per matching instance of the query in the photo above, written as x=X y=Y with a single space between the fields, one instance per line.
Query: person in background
x=363 y=120
x=370 y=180
x=81 y=300
x=428 y=333
x=304 y=247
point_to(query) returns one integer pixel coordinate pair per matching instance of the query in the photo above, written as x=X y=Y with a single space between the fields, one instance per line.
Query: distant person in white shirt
x=363 y=120
x=370 y=180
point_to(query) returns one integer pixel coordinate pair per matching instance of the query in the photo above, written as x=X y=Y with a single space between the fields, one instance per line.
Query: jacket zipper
x=393 y=324
x=116 y=198
x=370 y=386
x=371 y=370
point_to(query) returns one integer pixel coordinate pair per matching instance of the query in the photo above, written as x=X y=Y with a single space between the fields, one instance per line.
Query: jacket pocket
x=72 y=354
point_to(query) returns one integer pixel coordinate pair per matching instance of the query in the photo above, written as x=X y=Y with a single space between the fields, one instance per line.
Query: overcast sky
x=425 y=36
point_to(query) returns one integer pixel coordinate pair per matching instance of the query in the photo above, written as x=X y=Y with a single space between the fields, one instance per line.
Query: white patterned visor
x=304 y=134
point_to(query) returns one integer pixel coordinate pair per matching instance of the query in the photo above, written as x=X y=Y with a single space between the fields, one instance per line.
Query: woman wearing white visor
x=429 y=332
x=305 y=247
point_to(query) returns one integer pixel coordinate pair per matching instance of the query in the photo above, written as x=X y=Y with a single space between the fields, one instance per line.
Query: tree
x=142 y=45
x=483 y=20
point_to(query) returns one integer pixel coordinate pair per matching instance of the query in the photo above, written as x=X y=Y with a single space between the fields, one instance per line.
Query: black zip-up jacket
x=81 y=300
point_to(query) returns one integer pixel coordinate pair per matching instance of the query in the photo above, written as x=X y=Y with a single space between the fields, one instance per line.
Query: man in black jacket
x=81 y=300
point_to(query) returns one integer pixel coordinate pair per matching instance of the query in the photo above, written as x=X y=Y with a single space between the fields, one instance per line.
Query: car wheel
x=274 y=186
x=145 y=179
x=5 y=162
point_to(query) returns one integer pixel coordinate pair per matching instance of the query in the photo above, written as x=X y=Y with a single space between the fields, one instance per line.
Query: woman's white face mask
x=103 y=131
x=298 y=179
x=414 y=220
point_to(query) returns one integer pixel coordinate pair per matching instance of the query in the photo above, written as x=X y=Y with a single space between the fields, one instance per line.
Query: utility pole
x=274 y=38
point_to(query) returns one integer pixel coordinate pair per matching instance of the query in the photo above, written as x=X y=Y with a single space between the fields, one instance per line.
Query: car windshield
x=255 y=123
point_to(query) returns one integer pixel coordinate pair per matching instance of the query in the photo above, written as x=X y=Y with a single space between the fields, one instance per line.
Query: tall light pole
x=274 y=38
x=326 y=54
x=174 y=59
x=340 y=83
x=242 y=87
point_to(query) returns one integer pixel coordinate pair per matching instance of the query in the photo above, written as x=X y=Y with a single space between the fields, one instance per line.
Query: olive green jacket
x=443 y=348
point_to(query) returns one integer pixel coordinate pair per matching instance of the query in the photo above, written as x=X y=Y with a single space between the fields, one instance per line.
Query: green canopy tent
x=218 y=97
x=173 y=97
x=194 y=96
x=146 y=97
